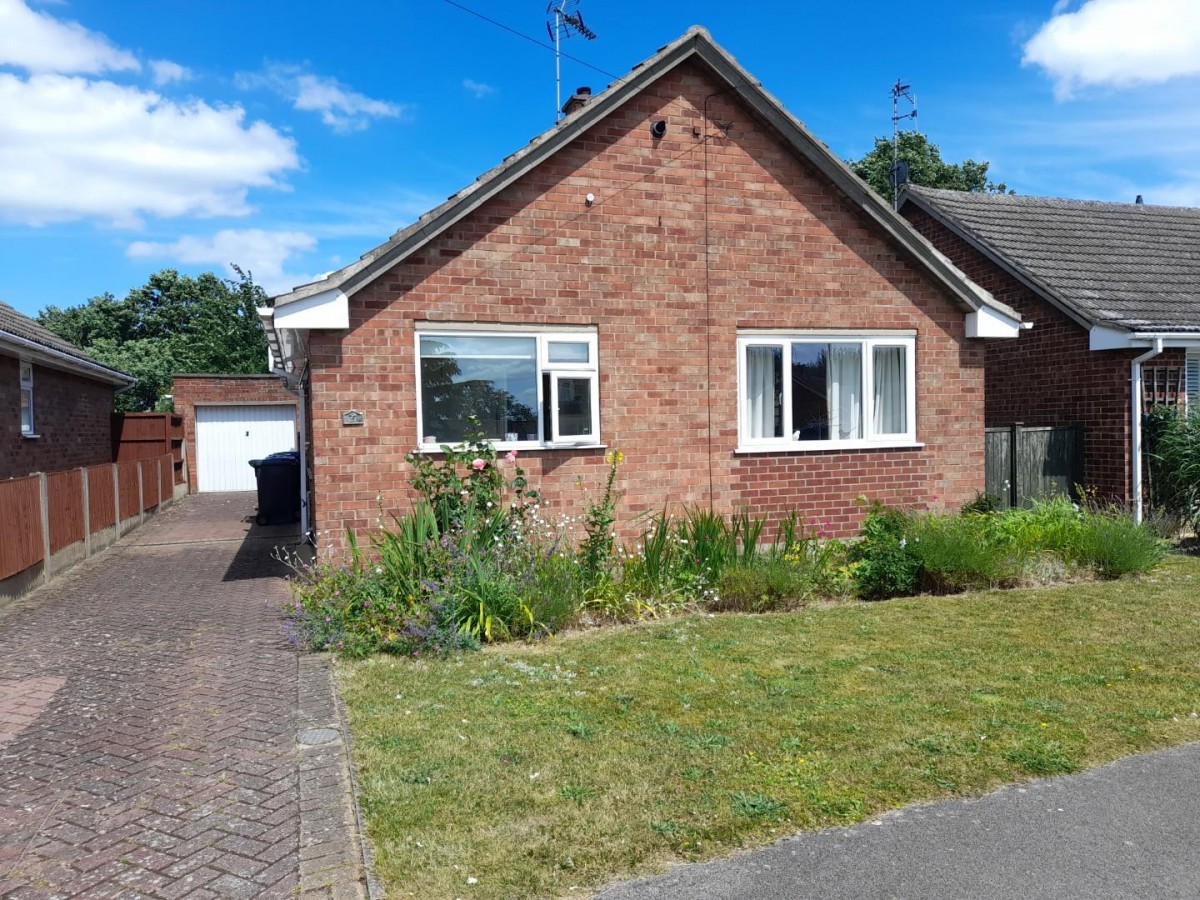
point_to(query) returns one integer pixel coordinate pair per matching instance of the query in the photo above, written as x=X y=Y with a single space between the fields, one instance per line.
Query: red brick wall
x=71 y=414
x=1048 y=376
x=220 y=390
x=786 y=251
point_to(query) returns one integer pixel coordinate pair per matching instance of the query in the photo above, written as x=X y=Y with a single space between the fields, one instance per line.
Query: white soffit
x=326 y=310
x=986 y=322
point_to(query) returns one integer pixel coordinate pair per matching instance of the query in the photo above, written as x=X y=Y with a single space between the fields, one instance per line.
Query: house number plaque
x=353 y=417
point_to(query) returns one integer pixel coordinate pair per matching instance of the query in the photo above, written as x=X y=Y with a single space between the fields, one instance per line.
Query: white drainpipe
x=303 y=414
x=1135 y=411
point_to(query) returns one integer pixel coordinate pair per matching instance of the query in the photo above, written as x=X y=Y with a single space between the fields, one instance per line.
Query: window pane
x=826 y=392
x=27 y=411
x=568 y=351
x=574 y=407
x=891 y=391
x=764 y=392
x=493 y=378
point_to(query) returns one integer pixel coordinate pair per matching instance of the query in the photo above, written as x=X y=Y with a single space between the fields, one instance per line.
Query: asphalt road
x=1129 y=830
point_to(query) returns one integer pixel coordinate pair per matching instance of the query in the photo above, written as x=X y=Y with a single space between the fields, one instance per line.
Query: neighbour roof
x=695 y=43
x=1120 y=265
x=20 y=326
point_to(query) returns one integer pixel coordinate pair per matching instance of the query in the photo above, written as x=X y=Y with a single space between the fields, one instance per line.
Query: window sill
x=29 y=435
x=827 y=447
x=520 y=447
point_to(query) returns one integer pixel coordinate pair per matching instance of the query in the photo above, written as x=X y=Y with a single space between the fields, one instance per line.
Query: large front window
x=808 y=392
x=532 y=388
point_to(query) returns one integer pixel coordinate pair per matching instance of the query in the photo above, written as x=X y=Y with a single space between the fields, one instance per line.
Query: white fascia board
x=328 y=310
x=987 y=323
x=1101 y=338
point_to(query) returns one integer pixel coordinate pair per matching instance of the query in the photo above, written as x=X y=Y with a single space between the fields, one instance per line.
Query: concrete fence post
x=87 y=514
x=141 y=496
x=45 y=495
x=117 y=496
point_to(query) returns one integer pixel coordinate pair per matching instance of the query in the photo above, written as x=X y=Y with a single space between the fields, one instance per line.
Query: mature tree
x=172 y=324
x=925 y=167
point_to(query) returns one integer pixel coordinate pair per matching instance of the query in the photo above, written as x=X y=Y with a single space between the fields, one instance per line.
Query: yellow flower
x=614 y=457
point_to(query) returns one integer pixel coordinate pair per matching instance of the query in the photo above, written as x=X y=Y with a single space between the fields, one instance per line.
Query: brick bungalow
x=56 y=402
x=1112 y=291
x=677 y=269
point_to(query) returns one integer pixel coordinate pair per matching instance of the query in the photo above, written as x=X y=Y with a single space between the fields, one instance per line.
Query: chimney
x=578 y=100
x=1138 y=201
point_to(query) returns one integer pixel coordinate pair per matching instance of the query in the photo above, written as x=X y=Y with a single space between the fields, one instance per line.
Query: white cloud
x=478 y=88
x=38 y=42
x=262 y=253
x=71 y=149
x=165 y=71
x=342 y=109
x=1118 y=43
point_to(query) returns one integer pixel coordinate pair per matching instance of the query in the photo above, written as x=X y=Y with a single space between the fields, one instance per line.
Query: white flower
x=903 y=543
x=472 y=880
x=379 y=570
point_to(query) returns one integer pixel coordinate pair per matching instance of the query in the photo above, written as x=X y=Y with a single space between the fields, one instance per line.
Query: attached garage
x=228 y=437
x=229 y=420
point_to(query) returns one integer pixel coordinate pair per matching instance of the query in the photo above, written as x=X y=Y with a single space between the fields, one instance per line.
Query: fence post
x=45 y=496
x=117 y=496
x=87 y=514
x=141 y=496
x=1014 y=493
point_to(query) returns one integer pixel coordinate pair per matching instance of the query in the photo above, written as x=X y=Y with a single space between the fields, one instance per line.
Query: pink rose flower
x=512 y=456
x=478 y=464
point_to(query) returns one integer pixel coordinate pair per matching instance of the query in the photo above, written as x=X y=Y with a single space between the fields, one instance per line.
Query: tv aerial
x=563 y=20
x=899 y=170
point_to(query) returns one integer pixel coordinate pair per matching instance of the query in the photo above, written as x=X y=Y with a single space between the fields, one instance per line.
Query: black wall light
x=657 y=129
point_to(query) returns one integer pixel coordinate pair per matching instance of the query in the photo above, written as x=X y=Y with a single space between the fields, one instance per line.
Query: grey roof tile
x=21 y=326
x=1125 y=265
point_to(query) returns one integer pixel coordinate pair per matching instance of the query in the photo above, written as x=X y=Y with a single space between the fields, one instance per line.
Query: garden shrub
x=883 y=563
x=960 y=553
x=1112 y=545
x=1173 y=439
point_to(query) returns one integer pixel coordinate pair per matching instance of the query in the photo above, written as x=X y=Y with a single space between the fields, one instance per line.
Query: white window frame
x=25 y=376
x=546 y=370
x=868 y=341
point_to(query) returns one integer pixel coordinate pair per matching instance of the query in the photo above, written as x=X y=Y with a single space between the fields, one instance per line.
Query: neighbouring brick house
x=56 y=402
x=1112 y=292
x=677 y=269
x=229 y=419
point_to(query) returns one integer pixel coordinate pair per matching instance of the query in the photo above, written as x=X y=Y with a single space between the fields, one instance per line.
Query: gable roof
x=1119 y=265
x=696 y=44
x=25 y=334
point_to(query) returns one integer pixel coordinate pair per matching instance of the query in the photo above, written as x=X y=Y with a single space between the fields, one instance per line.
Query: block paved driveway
x=149 y=712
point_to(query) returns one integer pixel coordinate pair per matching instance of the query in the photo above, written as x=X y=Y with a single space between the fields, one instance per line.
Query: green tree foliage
x=172 y=324
x=925 y=167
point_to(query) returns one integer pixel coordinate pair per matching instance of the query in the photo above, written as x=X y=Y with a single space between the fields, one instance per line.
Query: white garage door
x=228 y=437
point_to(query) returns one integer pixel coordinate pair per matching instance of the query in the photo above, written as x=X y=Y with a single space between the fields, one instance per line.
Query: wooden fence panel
x=127 y=482
x=1024 y=464
x=998 y=469
x=149 y=483
x=102 y=508
x=64 y=500
x=21 y=513
x=166 y=477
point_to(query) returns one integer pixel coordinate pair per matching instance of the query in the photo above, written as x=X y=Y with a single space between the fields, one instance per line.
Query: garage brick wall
x=191 y=391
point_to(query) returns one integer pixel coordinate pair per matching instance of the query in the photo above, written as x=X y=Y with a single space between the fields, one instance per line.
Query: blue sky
x=291 y=137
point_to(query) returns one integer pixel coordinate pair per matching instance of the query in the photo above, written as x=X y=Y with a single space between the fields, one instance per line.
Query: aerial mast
x=899 y=176
x=563 y=20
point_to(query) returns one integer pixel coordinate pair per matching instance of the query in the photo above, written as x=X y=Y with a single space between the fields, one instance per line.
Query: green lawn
x=535 y=769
